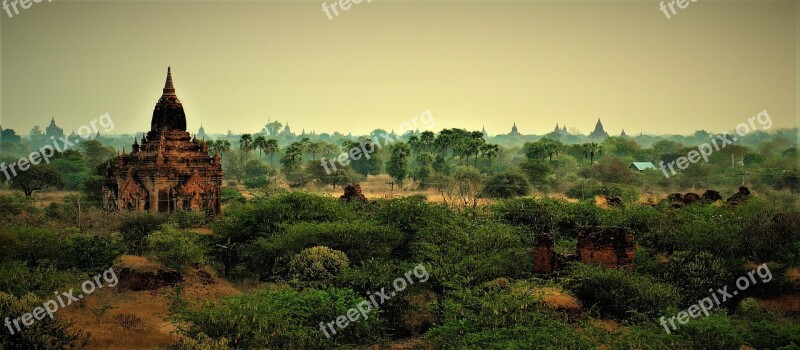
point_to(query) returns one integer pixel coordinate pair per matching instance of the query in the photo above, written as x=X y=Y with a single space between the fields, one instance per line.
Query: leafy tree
x=461 y=189
x=37 y=178
x=537 y=170
x=397 y=167
x=364 y=166
x=97 y=154
x=506 y=185
x=273 y=128
x=610 y=170
x=135 y=228
x=424 y=169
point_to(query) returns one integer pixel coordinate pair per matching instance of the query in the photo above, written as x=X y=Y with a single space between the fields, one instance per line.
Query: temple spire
x=169 y=88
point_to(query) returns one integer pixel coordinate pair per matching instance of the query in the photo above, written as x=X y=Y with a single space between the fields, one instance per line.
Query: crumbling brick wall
x=544 y=254
x=353 y=192
x=607 y=246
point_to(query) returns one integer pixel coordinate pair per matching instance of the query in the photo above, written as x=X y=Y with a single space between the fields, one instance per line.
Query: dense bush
x=91 y=253
x=174 y=248
x=317 y=264
x=279 y=318
x=359 y=240
x=187 y=219
x=506 y=185
x=621 y=294
x=136 y=227
x=46 y=333
x=694 y=273
x=263 y=217
x=18 y=278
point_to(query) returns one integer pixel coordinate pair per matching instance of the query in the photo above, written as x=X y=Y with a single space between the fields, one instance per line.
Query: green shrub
x=231 y=195
x=359 y=240
x=536 y=215
x=621 y=294
x=91 y=253
x=187 y=219
x=256 y=182
x=43 y=334
x=135 y=228
x=317 y=264
x=263 y=217
x=174 y=248
x=502 y=319
x=39 y=246
x=695 y=273
x=18 y=278
x=280 y=318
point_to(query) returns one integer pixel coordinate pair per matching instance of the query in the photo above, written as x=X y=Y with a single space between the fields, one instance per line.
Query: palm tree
x=246 y=144
x=551 y=149
x=220 y=146
x=271 y=147
x=314 y=148
x=260 y=143
x=490 y=150
x=590 y=149
x=477 y=142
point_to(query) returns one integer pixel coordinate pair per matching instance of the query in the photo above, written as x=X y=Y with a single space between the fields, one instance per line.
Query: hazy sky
x=475 y=64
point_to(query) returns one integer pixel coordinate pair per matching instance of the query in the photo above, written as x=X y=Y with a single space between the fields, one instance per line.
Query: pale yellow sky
x=236 y=64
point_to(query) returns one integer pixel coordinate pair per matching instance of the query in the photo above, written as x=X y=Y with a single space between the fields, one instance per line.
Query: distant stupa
x=514 y=131
x=599 y=132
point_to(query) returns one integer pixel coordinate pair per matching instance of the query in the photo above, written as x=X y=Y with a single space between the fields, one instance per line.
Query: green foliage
x=135 y=228
x=397 y=167
x=318 y=263
x=279 y=318
x=184 y=219
x=174 y=248
x=12 y=205
x=536 y=215
x=262 y=217
x=621 y=294
x=43 y=334
x=590 y=188
x=37 y=178
x=92 y=253
x=506 y=185
x=18 y=278
x=359 y=240
x=694 y=273
x=231 y=195
x=537 y=171
x=502 y=319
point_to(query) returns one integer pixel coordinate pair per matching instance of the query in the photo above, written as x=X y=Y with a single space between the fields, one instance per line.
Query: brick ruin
x=607 y=246
x=352 y=192
x=169 y=171
x=679 y=200
x=544 y=255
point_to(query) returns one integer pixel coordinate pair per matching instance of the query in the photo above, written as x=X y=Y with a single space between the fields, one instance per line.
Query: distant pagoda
x=598 y=132
x=514 y=131
x=169 y=171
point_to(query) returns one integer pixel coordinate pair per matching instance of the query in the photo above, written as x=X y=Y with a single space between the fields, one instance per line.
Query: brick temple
x=169 y=171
